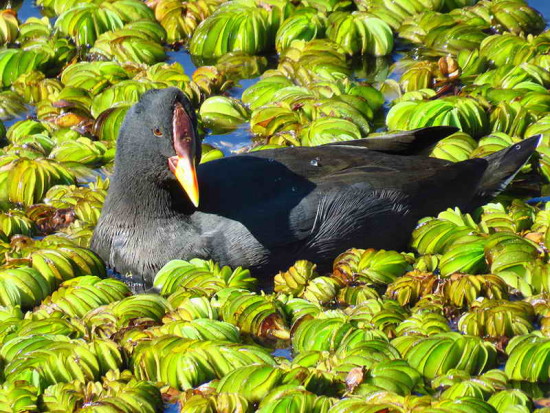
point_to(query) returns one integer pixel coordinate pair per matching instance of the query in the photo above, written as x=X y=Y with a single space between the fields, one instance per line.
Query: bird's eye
x=157 y=132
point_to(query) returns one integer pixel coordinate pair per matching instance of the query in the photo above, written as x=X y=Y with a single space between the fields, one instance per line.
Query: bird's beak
x=183 y=164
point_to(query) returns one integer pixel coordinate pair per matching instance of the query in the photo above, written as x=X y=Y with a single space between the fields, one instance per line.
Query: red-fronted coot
x=265 y=210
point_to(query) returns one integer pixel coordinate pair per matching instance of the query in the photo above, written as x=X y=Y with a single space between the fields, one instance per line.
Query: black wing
x=281 y=206
x=413 y=142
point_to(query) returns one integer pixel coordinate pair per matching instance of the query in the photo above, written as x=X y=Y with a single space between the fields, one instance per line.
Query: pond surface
x=542 y=6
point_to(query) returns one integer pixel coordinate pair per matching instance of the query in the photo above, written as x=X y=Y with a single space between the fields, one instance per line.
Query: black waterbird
x=265 y=210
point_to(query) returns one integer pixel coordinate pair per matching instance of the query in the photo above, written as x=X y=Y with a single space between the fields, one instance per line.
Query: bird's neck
x=135 y=195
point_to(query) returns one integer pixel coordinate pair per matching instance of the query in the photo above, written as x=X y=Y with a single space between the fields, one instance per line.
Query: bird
x=266 y=209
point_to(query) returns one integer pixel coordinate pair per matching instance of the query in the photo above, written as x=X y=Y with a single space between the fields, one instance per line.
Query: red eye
x=157 y=132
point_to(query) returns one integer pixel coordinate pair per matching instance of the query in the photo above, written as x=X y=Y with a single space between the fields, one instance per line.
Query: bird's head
x=159 y=138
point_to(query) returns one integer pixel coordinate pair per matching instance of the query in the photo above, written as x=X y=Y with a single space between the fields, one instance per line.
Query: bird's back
x=274 y=207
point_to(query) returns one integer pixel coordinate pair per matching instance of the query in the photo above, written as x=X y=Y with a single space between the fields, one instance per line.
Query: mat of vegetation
x=460 y=322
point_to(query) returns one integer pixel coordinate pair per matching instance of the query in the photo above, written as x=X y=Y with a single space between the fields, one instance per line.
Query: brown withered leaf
x=69 y=119
x=449 y=67
x=541 y=403
x=536 y=237
x=273 y=328
x=354 y=378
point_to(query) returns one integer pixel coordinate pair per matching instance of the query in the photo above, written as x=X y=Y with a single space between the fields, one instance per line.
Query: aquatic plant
x=459 y=321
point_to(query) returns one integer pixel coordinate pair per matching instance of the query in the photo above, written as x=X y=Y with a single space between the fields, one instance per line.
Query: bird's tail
x=503 y=167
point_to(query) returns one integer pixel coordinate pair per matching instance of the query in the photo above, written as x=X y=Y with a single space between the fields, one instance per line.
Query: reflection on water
x=231 y=142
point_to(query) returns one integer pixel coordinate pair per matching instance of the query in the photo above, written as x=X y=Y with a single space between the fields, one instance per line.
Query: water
x=28 y=9
x=543 y=6
x=283 y=352
x=183 y=58
x=233 y=142
x=172 y=408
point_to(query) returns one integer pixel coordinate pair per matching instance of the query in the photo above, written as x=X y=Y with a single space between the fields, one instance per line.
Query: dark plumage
x=267 y=209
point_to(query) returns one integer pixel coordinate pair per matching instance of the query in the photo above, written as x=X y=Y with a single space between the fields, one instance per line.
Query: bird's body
x=267 y=209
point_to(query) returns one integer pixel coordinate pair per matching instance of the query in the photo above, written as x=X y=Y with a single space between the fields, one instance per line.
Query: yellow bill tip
x=187 y=177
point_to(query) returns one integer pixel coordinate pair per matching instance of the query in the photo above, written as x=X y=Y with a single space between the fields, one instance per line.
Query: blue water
x=27 y=10
x=184 y=59
x=543 y=6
